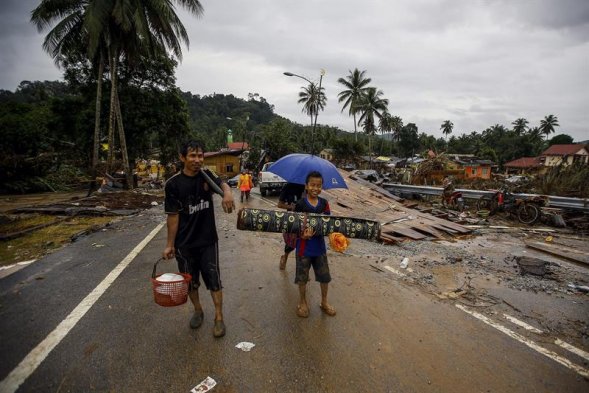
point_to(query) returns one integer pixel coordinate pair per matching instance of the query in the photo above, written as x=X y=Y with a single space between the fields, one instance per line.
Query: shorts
x=201 y=261
x=320 y=268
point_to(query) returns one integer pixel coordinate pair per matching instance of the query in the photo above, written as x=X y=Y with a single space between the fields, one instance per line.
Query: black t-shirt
x=291 y=193
x=186 y=196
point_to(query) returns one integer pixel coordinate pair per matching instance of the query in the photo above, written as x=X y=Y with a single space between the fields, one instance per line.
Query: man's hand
x=169 y=252
x=227 y=203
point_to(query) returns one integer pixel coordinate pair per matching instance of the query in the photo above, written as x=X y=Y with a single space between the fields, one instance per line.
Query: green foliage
x=566 y=180
x=560 y=139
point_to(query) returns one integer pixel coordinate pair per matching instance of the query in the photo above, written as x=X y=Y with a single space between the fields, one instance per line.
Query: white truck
x=268 y=181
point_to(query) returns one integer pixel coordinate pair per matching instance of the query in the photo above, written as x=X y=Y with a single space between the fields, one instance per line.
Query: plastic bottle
x=404 y=263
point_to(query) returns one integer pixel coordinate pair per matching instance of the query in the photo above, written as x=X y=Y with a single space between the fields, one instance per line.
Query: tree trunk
x=355 y=129
x=97 y=114
x=111 y=117
x=128 y=170
x=96 y=143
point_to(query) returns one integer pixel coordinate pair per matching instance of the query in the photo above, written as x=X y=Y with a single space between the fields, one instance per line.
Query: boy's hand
x=308 y=233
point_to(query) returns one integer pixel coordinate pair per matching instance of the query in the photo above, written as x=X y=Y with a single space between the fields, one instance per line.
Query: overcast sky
x=474 y=62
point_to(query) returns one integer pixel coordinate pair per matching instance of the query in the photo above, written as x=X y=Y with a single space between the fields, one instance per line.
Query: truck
x=268 y=181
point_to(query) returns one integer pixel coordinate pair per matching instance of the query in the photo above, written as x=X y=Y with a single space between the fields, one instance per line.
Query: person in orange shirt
x=244 y=185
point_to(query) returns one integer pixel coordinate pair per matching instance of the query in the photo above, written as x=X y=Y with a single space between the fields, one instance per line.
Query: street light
x=321 y=73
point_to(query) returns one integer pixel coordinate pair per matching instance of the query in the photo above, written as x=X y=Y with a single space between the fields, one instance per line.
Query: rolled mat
x=294 y=222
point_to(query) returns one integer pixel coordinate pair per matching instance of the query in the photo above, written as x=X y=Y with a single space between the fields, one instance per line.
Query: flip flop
x=302 y=312
x=329 y=310
x=282 y=263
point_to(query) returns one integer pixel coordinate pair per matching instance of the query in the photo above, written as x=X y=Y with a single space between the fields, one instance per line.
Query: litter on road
x=204 y=386
x=245 y=346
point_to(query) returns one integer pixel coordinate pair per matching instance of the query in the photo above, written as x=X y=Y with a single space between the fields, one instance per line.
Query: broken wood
x=568 y=254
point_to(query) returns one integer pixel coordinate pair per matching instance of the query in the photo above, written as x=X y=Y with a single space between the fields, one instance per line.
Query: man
x=192 y=233
x=288 y=198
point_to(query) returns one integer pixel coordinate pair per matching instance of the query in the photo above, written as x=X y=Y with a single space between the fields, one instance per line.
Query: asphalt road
x=387 y=336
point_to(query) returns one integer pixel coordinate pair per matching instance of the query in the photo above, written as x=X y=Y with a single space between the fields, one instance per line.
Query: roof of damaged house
x=562 y=150
x=398 y=222
x=524 y=162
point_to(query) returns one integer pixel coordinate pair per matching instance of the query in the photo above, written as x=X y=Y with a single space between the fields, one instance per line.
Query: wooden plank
x=578 y=257
x=405 y=231
x=428 y=229
x=445 y=229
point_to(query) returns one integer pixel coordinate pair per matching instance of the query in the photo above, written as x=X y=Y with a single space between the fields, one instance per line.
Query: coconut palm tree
x=371 y=106
x=357 y=85
x=396 y=127
x=384 y=126
x=547 y=125
x=126 y=30
x=520 y=126
x=313 y=100
x=67 y=38
x=447 y=127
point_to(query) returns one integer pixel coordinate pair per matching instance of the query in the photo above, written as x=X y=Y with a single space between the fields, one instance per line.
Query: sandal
x=282 y=262
x=327 y=309
x=302 y=312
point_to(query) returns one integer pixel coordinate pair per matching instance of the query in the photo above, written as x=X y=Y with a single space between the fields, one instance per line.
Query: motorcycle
x=527 y=211
x=454 y=201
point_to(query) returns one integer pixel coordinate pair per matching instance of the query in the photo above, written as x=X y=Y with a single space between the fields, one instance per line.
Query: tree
x=560 y=139
x=126 y=31
x=313 y=100
x=357 y=86
x=409 y=140
x=447 y=127
x=69 y=38
x=371 y=106
x=396 y=126
x=384 y=126
x=547 y=125
x=520 y=126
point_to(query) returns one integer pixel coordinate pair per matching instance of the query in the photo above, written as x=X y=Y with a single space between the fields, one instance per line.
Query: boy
x=310 y=249
x=192 y=234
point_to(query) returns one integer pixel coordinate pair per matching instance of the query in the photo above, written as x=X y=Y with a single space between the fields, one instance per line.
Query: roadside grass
x=37 y=243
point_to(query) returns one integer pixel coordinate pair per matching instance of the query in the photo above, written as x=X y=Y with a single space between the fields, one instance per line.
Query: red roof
x=524 y=162
x=563 y=150
x=238 y=146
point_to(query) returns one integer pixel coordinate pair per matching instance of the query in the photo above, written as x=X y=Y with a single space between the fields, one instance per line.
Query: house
x=226 y=162
x=565 y=154
x=473 y=167
x=524 y=165
x=326 y=154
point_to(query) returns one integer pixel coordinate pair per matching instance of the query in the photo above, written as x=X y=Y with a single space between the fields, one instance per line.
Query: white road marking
x=572 y=349
x=522 y=324
x=552 y=355
x=30 y=363
x=392 y=269
x=23 y=263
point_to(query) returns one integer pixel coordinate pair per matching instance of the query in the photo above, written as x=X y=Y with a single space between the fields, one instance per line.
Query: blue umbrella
x=294 y=168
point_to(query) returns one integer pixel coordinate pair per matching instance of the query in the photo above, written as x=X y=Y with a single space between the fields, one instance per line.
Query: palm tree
x=370 y=106
x=313 y=100
x=385 y=126
x=547 y=125
x=356 y=85
x=447 y=127
x=126 y=30
x=396 y=127
x=520 y=126
x=68 y=38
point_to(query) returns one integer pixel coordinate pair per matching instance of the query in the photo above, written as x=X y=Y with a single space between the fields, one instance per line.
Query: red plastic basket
x=170 y=293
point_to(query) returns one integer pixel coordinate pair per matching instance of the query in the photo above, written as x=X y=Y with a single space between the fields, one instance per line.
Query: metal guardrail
x=553 y=201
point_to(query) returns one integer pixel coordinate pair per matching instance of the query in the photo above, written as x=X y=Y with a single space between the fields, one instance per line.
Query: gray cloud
x=476 y=63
